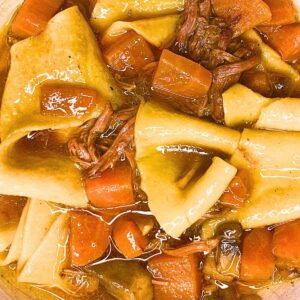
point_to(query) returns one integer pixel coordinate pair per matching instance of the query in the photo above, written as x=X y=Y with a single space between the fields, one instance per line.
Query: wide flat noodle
x=6 y=236
x=10 y=214
x=176 y=200
x=16 y=246
x=39 y=219
x=242 y=107
x=7 y=10
x=45 y=265
x=283 y=114
x=159 y=32
x=65 y=52
x=157 y=124
x=108 y=11
x=272 y=159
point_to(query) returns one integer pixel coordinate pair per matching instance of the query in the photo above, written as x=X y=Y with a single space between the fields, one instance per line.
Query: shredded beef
x=99 y=143
x=223 y=77
x=208 y=40
x=200 y=33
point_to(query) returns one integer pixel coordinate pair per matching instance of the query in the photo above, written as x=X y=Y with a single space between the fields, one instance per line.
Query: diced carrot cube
x=177 y=76
x=283 y=12
x=89 y=238
x=112 y=188
x=129 y=238
x=286 y=243
x=67 y=100
x=244 y=14
x=176 y=277
x=284 y=39
x=257 y=262
x=129 y=54
x=33 y=16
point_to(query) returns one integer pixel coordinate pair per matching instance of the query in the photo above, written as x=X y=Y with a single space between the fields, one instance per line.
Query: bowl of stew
x=150 y=150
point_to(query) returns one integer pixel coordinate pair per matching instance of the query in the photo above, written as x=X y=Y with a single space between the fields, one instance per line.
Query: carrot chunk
x=284 y=39
x=129 y=54
x=176 y=277
x=243 y=14
x=33 y=16
x=237 y=191
x=67 y=100
x=257 y=262
x=283 y=12
x=177 y=76
x=286 y=243
x=89 y=238
x=129 y=238
x=112 y=188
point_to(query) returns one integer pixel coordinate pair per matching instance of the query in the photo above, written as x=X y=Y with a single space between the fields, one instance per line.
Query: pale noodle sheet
x=8 y=8
x=177 y=206
x=159 y=31
x=16 y=246
x=66 y=52
x=243 y=107
x=40 y=244
x=48 y=260
x=107 y=12
x=40 y=217
x=273 y=161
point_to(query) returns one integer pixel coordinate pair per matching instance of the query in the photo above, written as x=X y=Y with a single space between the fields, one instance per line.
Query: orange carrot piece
x=286 y=243
x=89 y=238
x=67 y=100
x=177 y=76
x=129 y=54
x=284 y=39
x=176 y=277
x=257 y=262
x=129 y=238
x=112 y=188
x=237 y=191
x=283 y=12
x=243 y=14
x=33 y=16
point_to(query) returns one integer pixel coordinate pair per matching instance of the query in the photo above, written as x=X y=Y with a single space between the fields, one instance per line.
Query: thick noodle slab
x=45 y=265
x=39 y=219
x=66 y=52
x=176 y=198
x=16 y=246
x=159 y=32
x=108 y=11
x=36 y=219
x=242 y=107
x=272 y=159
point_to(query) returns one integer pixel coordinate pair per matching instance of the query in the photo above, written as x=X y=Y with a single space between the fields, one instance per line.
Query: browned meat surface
x=99 y=143
x=208 y=40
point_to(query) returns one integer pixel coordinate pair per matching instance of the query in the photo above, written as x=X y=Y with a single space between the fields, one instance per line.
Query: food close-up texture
x=150 y=150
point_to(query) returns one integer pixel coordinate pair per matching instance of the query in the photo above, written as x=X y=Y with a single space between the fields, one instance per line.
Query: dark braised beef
x=207 y=39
